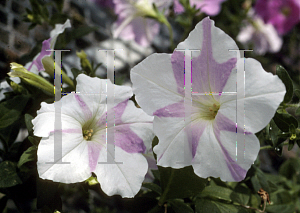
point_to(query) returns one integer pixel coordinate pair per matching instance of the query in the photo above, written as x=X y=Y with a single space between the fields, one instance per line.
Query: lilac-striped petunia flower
x=210 y=7
x=132 y=23
x=211 y=134
x=283 y=14
x=36 y=65
x=84 y=126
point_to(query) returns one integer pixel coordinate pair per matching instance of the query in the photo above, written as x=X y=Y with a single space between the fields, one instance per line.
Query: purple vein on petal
x=222 y=123
x=177 y=60
x=197 y=130
x=85 y=109
x=93 y=150
x=209 y=75
x=38 y=61
x=172 y=110
x=125 y=138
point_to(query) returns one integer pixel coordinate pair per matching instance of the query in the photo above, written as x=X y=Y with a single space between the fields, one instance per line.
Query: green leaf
x=282 y=208
x=28 y=123
x=180 y=183
x=8 y=175
x=59 y=5
x=297 y=112
x=156 y=174
x=241 y=194
x=209 y=206
x=152 y=186
x=258 y=179
x=27 y=156
x=217 y=192
x=273 y=132
x=281 y=201
x=81 y=31
x=179 y=206
x=11 y=110
x=297 y=93
x=290 y=168
x=10 y=133
x=75 y=72
x=157 y=209
x=34 y=140
x=284 y=120
x=284 y=76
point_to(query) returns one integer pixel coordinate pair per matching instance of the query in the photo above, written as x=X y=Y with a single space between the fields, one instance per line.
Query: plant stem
x=270 y=147
x=166 y=190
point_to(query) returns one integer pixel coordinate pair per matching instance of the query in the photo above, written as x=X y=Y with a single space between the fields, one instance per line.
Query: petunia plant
x=84 y=138
x=212 y=133
x=210 y=126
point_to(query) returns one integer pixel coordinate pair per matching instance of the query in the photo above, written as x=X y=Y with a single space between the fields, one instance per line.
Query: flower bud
x=48 y=64
x=30 y=78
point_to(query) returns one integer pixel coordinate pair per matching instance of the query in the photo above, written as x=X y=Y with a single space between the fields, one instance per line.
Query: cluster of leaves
x=180 y=190
x=173 y=190
x=283 y=128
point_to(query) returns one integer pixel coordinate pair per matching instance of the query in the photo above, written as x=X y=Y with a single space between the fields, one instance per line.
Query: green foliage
x=11 y=110
x=172 y=179
x=179 y=206
x=8 y=175
x=286 y=79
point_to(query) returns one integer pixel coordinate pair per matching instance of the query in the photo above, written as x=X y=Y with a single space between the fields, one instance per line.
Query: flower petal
x=154 y=83
x=216 y=152
x=263 y=93
x=72 y=117
x=124 y=179
x=74 y=150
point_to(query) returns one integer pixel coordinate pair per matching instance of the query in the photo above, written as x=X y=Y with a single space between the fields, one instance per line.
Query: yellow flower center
x=210 y=112
x=87 y=134
x=286 y=11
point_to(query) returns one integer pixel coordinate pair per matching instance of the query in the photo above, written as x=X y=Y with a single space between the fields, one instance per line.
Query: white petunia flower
x=84 y=126
x=214 y=128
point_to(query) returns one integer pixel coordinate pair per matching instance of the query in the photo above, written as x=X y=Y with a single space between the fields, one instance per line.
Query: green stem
x=167 y=23
x=270 y=147
x=291 y=105
x=166 y=190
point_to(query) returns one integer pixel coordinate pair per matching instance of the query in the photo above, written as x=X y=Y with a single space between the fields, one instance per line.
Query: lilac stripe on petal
x=222 y=123
x=172 y=110
x=94 y=150
x=38 y=61
x=85 y=109
x=118 y=112
x=127 y=140
x=225 y=124
x=194 y=137
x=177 y=60
x=208 y=75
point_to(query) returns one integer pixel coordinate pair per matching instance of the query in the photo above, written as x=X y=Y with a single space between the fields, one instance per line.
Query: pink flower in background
x=264 y=36
x=132 y=24
x=283 y=14
x=210 y=7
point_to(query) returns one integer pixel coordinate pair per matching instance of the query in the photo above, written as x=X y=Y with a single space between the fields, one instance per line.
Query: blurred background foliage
x=275 y=174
